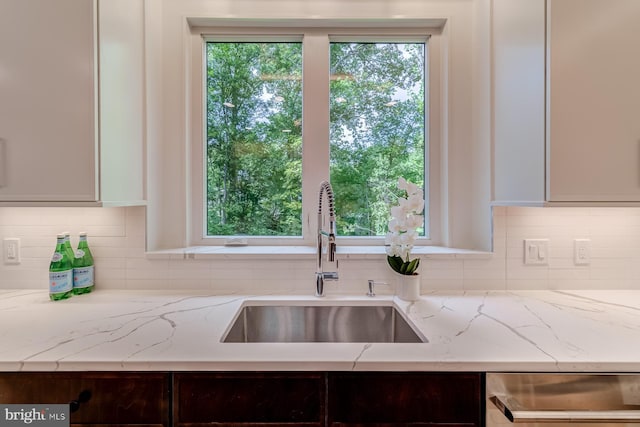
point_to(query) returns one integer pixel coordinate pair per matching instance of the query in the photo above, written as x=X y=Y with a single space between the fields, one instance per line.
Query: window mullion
x=315 y=128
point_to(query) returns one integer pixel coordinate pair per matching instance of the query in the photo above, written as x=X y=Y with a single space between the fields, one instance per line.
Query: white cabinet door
x=70 y=135
x=593 y=127
x=47 y=103
x=518 y=83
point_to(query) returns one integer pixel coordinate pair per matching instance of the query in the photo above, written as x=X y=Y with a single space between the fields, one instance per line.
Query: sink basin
x=321 y=323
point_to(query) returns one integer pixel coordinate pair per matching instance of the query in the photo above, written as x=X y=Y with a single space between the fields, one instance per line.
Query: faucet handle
x=371 y=285
x=331 y=251
x=330 y=275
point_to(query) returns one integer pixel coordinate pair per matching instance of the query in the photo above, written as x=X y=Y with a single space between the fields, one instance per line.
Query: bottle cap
x=82 y=233
x=61 y=236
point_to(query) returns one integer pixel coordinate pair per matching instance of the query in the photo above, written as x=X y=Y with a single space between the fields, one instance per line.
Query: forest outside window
x=377 y=130
x=254 y=139
x=376 y=122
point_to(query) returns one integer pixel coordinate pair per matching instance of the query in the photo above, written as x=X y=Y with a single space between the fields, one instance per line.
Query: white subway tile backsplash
x=152 y=283
x=117 y=238
x=499 y=222
x=441 y=264
x=476 y=284
x=484 y=274
x=517 y=270
x=574 y=274
x=442 y=284
x=526 y=284
x=613 y=252
x=493 y=263
x=442 y=274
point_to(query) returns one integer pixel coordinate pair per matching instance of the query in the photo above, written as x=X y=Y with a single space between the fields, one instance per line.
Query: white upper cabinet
x=68 y=136
x=566 y=102
x=593 y=125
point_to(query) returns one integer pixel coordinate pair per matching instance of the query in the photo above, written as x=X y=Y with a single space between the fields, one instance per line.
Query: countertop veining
x=569 y=331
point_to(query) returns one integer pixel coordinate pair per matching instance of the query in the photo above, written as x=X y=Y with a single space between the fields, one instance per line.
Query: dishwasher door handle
x=515 y=414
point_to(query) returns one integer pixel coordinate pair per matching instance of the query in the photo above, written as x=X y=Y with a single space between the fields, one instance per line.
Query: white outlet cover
x=582 y=251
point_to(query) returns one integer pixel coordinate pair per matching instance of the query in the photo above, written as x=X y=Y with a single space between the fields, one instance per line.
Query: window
x=253 y=139
x=280 y=113
x=377 y=119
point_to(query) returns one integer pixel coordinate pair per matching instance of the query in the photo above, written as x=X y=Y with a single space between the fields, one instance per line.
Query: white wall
x=465 y=139
x=481 y=125
x=116 y=237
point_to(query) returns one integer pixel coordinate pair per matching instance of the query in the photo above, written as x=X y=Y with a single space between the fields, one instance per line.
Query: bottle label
x=79 y=253
x=83 y=277
x=60 y=281
x=57 y=256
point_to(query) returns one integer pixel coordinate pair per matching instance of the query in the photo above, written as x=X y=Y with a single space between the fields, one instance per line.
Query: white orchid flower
x=413 y=189
x=403 y=252
x=395 y=226
x=415 y=203
x=403 y=202
x=394 y=250
x=408 y=238
x=414 y=221
x=392 y=243
x=409 y=187
x=392 y=239
x=402 y=184
x=406 y=218
x=399 y=212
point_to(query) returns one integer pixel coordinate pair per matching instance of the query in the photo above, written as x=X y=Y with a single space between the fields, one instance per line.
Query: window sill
x=307 y=252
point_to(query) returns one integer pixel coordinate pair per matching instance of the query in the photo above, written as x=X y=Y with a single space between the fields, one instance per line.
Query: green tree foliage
x=254 y=134
x=254 y=138
x=377 y=130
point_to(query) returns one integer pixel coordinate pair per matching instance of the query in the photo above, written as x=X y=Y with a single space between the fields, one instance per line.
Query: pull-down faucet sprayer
x=322 y=275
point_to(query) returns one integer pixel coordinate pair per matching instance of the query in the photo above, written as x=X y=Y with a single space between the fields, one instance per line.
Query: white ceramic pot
x=407 y=286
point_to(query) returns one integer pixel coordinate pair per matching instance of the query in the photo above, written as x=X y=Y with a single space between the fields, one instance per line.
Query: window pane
x=377 y=130
x=254 y=139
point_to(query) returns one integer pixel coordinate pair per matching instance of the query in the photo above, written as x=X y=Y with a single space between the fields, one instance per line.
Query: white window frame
x=315 y=133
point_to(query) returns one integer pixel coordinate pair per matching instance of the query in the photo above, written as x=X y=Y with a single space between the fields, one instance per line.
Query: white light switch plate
x=536 y=251
x=11 y=250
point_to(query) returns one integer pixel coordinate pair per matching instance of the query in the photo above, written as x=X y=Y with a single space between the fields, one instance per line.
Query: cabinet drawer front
x=404 y=398
x=115 y=398
x=402 y=424
x=249 y=398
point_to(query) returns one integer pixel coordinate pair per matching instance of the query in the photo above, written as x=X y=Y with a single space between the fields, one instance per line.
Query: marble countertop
x=568 y=331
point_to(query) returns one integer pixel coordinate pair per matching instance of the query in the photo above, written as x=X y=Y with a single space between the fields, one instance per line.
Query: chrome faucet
x=322 y=275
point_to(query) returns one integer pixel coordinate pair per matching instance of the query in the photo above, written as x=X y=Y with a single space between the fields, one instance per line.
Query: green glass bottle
x=60 y=273
x=67 y=245
x=83 y=280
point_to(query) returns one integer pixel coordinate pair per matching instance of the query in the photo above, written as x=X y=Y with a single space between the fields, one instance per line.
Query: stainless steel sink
x=321 y=323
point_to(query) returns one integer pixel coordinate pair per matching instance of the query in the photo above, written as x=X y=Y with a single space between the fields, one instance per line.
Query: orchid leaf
x=413 y=265
x=403 y=267
x=395 y=262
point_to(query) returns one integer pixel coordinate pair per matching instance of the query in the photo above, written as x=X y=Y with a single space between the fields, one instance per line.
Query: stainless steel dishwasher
x=546 y=400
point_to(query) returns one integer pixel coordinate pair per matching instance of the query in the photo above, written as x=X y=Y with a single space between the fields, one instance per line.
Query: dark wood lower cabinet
x=99 y=398
x=331 y=399
x=249 y=399
x=258 y=399
x=405 y=399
